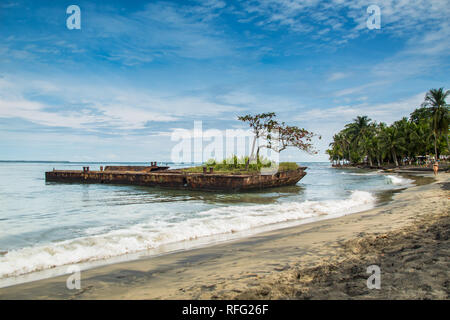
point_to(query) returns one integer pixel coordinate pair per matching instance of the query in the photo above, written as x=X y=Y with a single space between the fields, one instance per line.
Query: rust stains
x=143 y=176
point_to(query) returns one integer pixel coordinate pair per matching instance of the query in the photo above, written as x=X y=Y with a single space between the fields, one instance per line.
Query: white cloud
x=386 y=112
x=100 y=107
x=347 y=17
x=358 y=89
x=34 y=112
x=422 y=53
x=337 y=76
x=156 y=30
x=259 y=102
x=163 y=29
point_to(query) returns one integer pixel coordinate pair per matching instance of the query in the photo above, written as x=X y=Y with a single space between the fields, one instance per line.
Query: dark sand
x=407 y=238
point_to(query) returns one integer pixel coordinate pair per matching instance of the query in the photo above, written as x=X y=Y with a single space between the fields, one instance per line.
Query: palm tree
x=367 y=142
x=435 y=100
x=337 y=148
x=393 y=141
x=404 y=130
x=358 y=127
x=357 y=133
x=380 y=151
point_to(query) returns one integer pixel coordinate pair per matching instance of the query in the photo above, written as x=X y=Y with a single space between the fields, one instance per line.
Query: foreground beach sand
x=407 y=238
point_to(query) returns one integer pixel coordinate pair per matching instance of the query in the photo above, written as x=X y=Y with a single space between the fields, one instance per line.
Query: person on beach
x=435 y=168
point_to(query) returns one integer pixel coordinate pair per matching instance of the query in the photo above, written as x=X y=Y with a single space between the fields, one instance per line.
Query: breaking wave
x=141 y=237
x=399 y=181
x=362 y=174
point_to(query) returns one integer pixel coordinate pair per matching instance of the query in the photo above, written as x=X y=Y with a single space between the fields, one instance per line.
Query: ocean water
x=46 y=227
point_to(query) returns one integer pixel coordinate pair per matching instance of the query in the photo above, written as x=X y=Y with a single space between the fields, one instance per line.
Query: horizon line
x=96 y=161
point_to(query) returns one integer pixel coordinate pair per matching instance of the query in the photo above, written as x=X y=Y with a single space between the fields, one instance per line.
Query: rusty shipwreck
x=159 y=176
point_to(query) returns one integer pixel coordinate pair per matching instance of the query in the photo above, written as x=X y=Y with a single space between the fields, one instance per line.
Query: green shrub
x=235 y=165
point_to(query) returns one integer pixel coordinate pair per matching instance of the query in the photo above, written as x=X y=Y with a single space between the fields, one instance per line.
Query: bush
x=235 y=165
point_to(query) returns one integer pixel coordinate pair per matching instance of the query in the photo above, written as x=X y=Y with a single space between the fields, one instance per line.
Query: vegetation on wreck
x=277 y=136
x=240 y=165
x=274 y=135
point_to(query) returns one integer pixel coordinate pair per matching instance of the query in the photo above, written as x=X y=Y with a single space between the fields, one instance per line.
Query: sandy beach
x=408 y=238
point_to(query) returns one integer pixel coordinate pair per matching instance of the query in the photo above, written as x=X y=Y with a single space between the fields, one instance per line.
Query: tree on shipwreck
x=278 y=136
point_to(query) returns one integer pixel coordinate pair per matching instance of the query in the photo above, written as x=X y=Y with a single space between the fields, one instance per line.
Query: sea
x=47 y=228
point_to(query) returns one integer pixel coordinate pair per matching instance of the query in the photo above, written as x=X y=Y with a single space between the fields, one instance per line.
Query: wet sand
x=407 y=238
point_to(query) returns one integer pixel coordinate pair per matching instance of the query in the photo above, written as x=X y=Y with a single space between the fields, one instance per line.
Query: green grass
x=221 y=168
x=286 y=166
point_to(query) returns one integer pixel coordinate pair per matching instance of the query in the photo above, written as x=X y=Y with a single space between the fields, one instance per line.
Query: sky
x=136 y=71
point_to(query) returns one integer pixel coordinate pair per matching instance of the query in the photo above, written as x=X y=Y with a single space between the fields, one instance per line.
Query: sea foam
x=399 y=181
x=141 y=237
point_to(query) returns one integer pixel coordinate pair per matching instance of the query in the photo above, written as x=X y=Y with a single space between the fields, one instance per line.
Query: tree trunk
x=435 y=147
x=251 y=154
x=395 y=157
x=446 y=137
x=257 y=155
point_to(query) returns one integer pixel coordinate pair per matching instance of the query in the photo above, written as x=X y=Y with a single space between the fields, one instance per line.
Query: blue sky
x=136 y=71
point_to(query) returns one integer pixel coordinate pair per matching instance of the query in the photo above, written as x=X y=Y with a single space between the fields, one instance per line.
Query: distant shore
x=392 y=168
x=407 y=238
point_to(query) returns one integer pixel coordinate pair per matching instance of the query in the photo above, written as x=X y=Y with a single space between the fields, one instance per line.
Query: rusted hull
x=179 y=180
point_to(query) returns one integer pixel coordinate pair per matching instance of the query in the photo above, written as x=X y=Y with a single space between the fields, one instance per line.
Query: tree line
x=403 y=142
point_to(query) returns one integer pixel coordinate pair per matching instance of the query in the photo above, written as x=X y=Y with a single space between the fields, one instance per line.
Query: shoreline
x=392 y=168
x=247 y=267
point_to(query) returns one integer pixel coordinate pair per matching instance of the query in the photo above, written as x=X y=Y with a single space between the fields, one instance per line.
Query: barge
x=157 y=176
